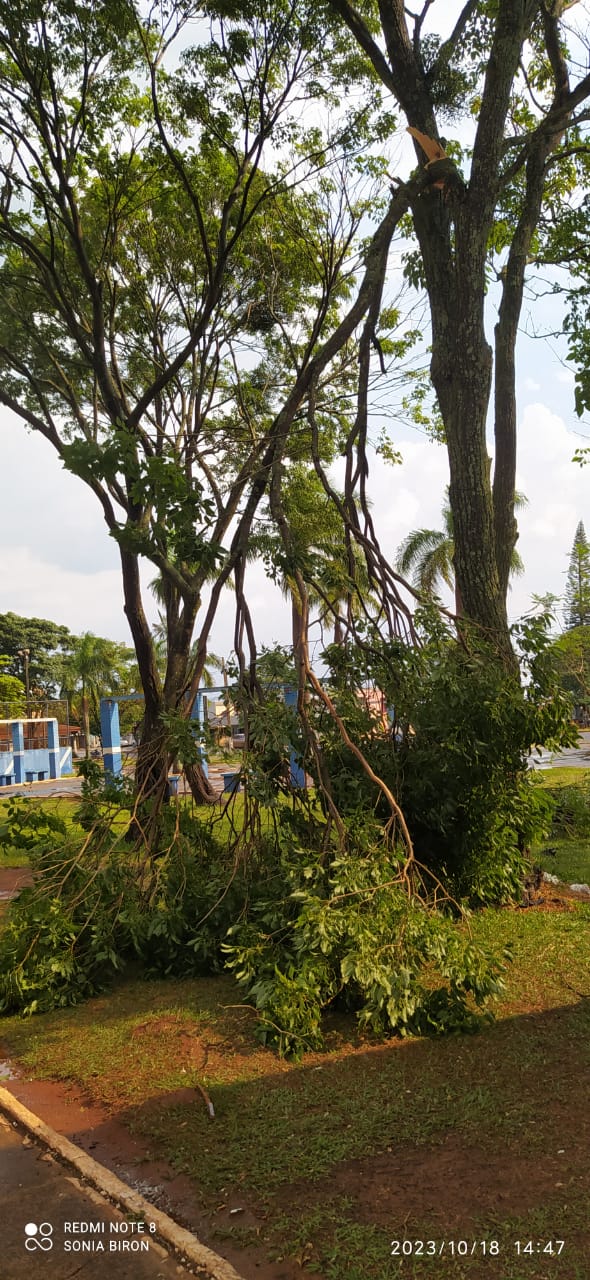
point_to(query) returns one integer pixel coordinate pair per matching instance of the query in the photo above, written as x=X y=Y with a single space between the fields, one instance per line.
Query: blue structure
x=111 y=732
x=33 y=763
x=296 y=773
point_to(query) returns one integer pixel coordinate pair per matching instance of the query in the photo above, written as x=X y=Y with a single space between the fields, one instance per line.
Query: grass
x=569 y=858
x=472 y=1138
x=288 y=1137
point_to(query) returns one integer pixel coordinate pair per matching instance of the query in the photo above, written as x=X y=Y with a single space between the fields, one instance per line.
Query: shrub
x=455 y=757
x=96 y=906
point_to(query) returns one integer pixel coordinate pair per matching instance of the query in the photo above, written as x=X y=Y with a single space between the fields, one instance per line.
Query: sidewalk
x=54 y=1227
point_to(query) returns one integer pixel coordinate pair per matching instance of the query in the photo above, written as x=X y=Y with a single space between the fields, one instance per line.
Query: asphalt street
x=55 y=1228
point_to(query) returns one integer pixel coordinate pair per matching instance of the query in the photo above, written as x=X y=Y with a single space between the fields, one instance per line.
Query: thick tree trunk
x=461 y=372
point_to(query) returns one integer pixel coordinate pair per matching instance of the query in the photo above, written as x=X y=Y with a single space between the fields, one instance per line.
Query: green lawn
x=296 y=1142
x=570 y=857
x=479 y=1139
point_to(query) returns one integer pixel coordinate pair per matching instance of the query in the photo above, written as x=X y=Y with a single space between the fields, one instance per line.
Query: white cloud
x=33 y=587
x=557 y=490
x=58 y=561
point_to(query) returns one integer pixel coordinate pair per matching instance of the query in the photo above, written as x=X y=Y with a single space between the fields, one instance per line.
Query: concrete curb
x=209 y=1264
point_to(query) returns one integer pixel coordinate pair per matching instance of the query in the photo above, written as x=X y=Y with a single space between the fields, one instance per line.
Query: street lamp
x=25 y=655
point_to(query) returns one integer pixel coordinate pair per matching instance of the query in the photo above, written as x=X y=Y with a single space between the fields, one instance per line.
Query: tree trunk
x=297 y=629
x=85 y=723
x=461 y=372
x=154 y=757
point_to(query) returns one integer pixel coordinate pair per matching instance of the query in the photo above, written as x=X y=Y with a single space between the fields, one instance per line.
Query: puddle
x=6 y=1072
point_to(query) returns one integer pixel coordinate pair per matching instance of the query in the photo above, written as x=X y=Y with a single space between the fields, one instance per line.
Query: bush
x=455 y=757
x=95 y=907
x=300 y=931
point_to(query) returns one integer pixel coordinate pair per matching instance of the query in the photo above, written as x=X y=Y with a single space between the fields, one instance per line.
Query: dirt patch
x=226 y=1056
x=13 y=879
x=453 y=1183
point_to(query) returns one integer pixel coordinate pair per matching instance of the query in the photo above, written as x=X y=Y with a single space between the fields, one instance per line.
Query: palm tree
x=427 y=555
x=94 y=667
x=319 y=550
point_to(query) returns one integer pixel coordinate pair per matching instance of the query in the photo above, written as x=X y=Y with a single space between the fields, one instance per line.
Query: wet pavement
x=572 y=758
x=55 y=1227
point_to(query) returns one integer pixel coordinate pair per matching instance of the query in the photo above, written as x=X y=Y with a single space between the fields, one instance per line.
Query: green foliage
x=95 y=668
x=301 y=932
x=571 y=657
x=12 y=697
x=102 y=795
x=346 y=932
x=47 y=644
x=456 y=756
x=96 y=907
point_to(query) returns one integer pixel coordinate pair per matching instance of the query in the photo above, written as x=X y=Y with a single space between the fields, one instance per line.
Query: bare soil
x=13 y=879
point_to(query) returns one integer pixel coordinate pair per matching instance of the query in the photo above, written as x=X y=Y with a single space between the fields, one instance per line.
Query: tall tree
x=46 y=644
x=317 y=546
x=12 y=692
x=577 y=589
x=170 y=296
x=571 y=657
x=506 y=74
x=94 y=669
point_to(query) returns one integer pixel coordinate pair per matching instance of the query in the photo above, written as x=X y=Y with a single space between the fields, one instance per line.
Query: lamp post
x=25 y=654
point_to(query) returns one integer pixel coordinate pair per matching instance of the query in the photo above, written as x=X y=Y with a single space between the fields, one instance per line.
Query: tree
x=12 y=692
x=47 y=644
x=173 y=285
x=577 y=590
x=94 y=669
x=305 y=534
x=571 y=656
x=504 y=71
x=429 y=556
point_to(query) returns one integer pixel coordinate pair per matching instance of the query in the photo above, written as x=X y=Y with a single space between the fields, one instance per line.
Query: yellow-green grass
x=569 y=858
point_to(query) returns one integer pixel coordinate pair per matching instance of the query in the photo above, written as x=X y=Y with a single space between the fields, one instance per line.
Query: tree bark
x=153 y=756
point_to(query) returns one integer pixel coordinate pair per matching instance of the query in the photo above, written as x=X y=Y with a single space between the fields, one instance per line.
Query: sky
x=59 y=563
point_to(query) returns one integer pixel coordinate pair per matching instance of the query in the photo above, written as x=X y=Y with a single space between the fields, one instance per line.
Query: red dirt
x=12 y=879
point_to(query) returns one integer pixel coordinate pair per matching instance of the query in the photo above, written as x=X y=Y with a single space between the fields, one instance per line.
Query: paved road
x=72 y=786
x=53 y=1227
x=572 y=758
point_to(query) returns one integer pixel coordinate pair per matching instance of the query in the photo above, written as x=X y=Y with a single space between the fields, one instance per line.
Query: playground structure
x=30 y=751
x=111 y=732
